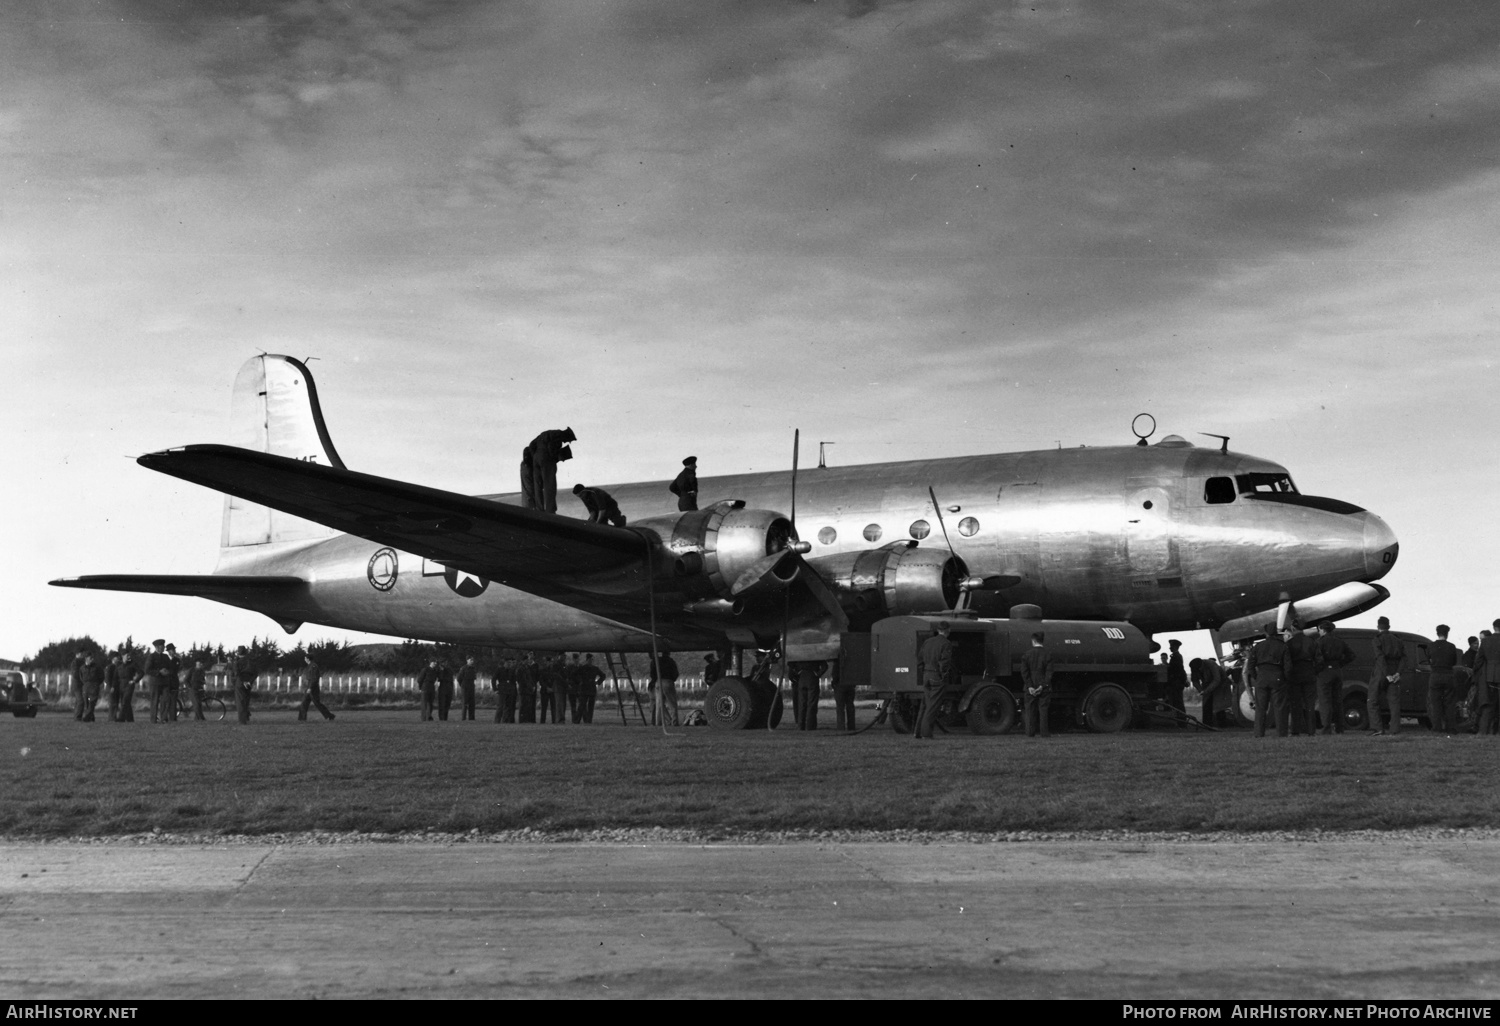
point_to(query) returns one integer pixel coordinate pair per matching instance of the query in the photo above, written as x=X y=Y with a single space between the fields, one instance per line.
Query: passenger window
x=920 y=529
x=827 y=536
x=1218 y=490
x=872 y=532
x=968 y=527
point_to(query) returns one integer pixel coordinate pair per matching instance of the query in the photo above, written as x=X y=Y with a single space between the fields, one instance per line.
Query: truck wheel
x=904 y=712
x=1107 y=709
x=728 y=705
x=1355 y=715
x=993 y=711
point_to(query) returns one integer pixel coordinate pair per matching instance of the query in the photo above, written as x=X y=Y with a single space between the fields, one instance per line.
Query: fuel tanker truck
x=1102 y=669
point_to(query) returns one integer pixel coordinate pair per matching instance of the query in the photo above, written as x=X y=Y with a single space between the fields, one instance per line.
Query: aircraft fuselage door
x=1150 y=545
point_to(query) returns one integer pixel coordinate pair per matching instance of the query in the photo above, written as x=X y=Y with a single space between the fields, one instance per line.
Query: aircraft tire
x=993 y=710
x=904 y=712
x=729 y=705
x=1107 y=709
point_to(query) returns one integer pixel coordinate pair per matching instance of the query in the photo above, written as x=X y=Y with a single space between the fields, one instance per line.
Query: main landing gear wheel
x=1107 y=709
x=728 y=705
x=993 y=710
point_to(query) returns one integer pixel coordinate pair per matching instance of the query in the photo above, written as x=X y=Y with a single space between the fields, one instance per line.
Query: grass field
x=384 y=771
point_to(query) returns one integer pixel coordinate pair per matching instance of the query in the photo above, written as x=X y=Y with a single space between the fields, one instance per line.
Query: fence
x=56 y=685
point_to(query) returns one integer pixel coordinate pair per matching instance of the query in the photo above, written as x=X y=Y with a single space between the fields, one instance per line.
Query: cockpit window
x=1266 y=484
x=1219 y=489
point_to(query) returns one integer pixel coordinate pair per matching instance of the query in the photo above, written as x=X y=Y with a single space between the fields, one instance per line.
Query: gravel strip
x=661 y=835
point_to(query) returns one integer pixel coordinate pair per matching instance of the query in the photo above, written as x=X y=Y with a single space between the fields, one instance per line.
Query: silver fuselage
x=1074 y=525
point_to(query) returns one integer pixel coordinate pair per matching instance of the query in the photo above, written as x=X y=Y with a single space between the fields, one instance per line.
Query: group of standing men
x=528 y=690
x=1298 y=679
x=161 y=674
x=940 y=679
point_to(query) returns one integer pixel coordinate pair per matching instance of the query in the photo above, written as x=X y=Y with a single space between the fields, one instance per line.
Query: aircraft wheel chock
x=1107 y=709
x=993 y=710
x=904 y=712
x=728 y=705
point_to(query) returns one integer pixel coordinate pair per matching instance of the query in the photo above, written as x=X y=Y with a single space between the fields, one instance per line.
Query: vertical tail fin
x=275 y=409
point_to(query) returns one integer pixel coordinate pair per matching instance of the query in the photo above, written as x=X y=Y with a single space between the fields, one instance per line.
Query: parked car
x=17 y=695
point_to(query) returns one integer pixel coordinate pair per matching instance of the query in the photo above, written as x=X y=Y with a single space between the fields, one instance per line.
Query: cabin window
x=1218 y=489
x=920 y=529
x=872 y=532
x=1265 y=484
x=968 y=527
x=827 y=536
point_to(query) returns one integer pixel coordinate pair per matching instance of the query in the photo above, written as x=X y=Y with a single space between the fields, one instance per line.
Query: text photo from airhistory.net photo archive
x=751 y=499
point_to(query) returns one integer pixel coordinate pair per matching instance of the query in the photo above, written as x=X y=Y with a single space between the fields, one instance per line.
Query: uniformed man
x=1208 y=679
x=75 y=682
x=427 y=683
x=1487 y=681
x=685 y=485
x=573 y=687
x=1332 y=656
x=195 y=685
x=1385 y=678
x=466 y=677
x=444 y=690
x=712 y=669
x=602 y=507
x=546 y=691
x=663 y=684
x=1470 y=684
x=1036 y=680
x=528 y=480
x=114 y=683
x=312 y=678
x=91 y=680
x=1266 y=672
x=129 y=675
x=1177 y=680
x=843 y=697
x=242 y=682
x=589 y=679
x=808 y=682
x=548 y=449
x=557 y=668
x=526 y=680
x=1444 y=657
x=1301 y=679
x=938 y=674
x=504 y=683
x=154 y=670
x=171 y=681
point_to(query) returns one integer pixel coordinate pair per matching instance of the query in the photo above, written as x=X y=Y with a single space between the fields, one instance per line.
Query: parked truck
x=1102 y=670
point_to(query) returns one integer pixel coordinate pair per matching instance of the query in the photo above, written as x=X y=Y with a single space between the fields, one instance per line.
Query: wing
x=588 y=566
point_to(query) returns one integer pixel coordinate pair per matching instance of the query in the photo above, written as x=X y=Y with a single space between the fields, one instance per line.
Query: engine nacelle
x=893 y=580
x=706 y=551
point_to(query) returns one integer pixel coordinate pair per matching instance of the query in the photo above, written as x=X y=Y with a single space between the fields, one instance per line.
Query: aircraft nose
x=1381 y=547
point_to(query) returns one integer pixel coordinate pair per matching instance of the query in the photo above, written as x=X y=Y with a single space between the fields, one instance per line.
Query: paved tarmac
x=1398 y=918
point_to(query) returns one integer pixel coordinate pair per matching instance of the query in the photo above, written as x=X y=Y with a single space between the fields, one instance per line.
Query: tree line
x=267 y=656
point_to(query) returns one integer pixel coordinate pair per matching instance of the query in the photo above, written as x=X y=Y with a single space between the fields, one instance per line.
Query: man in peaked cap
x=602 y=507
x=685 y=485
x=548 y=449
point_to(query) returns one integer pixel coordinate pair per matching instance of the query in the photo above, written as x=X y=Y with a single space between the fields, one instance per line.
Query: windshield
x=1265 y=484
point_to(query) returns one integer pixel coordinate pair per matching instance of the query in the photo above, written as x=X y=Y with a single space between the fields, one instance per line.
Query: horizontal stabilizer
x=236 y=590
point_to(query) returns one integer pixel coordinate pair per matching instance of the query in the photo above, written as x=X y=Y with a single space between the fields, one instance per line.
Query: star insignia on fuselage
x=466 y=584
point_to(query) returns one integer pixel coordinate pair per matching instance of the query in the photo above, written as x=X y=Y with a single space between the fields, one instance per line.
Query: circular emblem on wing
x=382 y=570
x=465 y=584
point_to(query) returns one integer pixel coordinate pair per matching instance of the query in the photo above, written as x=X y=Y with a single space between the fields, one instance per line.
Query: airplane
x=1169 y=536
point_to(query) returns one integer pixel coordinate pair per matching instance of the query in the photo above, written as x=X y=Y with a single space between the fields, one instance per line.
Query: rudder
x=274 y=409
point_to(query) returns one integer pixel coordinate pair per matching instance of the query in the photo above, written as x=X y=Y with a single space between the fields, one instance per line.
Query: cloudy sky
x=913 y=229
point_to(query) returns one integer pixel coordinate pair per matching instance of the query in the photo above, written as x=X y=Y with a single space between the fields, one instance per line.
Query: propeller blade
x=769 y=571
x=796 y=448
x=941 y=523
